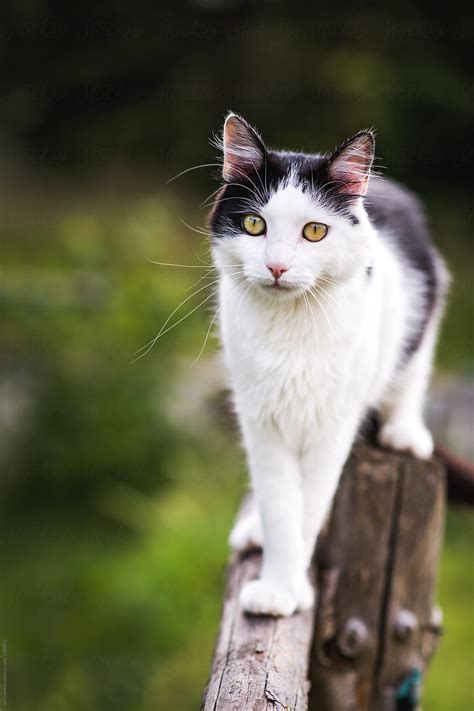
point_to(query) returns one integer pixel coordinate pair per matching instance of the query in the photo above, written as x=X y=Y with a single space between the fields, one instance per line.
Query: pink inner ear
x=242 y=150
x=351 y=167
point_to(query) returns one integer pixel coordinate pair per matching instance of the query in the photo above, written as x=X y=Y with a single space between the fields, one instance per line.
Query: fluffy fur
x=349 y=325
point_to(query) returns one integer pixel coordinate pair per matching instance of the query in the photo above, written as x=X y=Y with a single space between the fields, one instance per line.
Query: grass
x=449 y=683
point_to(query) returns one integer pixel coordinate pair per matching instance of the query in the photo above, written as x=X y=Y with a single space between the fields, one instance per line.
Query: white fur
x=304 y=369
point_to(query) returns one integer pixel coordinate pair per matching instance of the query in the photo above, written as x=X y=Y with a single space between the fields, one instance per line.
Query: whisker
x=162 y=333
x=245 y=293
x=206 y=267
x=239 y=272
x=324 y=312
x=195 y=229
x=312 y=316
x=258 y=175
x=257 y=191
x=250 y=201
x=194 y=167
x=329 y=280
x=206 y=338
x=305 y=318
x=214 y=192
x=171 y=264
x=328 y=297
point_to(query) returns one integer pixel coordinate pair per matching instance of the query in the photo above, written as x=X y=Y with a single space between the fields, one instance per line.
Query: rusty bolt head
x=435 y=624
x=405 y=626
x=436 y=620
x=353 y=638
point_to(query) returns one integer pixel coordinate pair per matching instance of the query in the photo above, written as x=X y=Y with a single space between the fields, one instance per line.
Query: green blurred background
x=120 y=479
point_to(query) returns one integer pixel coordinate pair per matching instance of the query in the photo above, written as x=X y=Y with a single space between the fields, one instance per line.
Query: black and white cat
x=330 y=300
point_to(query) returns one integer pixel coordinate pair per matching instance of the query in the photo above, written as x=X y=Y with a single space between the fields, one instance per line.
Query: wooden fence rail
x=375 y=627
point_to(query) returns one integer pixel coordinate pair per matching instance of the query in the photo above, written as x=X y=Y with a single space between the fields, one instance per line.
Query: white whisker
x=324 y=313
x=245 y=293
x=162 y=333
x=200 y=231
x=206 y=338
x=194 y=167
x=171 y=264
x=316 y=330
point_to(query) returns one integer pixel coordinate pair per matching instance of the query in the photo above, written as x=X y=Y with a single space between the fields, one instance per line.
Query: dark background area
x=105 y=83
x=120 y=479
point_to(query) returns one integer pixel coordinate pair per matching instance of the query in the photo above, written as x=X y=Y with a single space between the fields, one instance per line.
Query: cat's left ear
x=244 y=151
x=349 y=166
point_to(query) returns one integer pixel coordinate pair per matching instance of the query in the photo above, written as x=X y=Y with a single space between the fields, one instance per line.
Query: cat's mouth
x=277 y=287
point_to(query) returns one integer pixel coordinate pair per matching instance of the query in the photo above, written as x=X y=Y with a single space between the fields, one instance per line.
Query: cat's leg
x=402 y=409
x=247 y=533
x=282 y=586
x=321 y=465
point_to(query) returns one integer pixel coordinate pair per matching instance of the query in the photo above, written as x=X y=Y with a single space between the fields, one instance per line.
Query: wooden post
x=375 y=627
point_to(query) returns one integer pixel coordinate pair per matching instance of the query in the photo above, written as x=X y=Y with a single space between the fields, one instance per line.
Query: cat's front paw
x=306 y=596
x=247 y=533
x=261 y=598
x=407 y=436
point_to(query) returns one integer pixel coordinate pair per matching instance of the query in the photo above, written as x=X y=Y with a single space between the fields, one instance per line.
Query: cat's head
x=282 y=220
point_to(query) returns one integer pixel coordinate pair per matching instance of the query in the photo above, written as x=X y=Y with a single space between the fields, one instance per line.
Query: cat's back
x=399 y=216
x=400 y=219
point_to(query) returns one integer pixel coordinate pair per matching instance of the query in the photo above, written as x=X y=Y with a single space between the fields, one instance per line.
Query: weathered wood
x=352 y=562
x=260 y=663
x=374 y=629
x=377 y=565
x=411 y=624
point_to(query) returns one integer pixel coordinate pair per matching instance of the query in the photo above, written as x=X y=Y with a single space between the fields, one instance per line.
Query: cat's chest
x=293 y=372
x=287 y=370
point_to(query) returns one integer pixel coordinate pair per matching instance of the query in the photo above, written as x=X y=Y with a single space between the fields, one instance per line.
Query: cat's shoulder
x=395 y=207
x=400 y=218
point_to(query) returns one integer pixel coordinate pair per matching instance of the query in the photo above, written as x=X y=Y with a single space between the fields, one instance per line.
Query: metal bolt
x=436 y=616
x=406 y=624
x=436 y=620
x=353 y=638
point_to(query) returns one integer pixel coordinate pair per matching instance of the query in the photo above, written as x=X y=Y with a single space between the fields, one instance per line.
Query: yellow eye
x=315 y=231
x=254 y=225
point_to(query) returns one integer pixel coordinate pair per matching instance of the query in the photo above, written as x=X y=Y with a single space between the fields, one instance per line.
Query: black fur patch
x=312 y=172
x=400 y=217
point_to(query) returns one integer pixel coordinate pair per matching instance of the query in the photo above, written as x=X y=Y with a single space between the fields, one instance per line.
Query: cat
x=330 y=300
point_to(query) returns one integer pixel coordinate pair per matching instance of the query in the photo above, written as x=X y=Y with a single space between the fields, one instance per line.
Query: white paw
x=261 y=598
x=408 y=436
x=306 y=596
x=247 y=533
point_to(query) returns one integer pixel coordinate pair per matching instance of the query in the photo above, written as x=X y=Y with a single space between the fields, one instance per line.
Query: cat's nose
x=277 y=269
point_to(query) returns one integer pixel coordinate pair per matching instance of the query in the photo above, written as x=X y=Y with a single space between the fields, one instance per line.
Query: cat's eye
x=254 y=224
x=315 y=231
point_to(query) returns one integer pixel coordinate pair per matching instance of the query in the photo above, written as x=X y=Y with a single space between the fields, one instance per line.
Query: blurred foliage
x=450 y=682
x=118 y=483
x=73 y=317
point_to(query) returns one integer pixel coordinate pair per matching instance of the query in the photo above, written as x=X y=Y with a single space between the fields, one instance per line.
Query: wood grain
x=374 y=629
x=259 y=662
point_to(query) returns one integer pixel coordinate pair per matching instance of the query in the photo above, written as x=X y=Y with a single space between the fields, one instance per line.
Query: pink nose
x=277 y=270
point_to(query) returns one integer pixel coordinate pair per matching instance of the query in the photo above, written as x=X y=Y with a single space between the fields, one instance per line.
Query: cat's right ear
x=350 y=165
x=244 y=151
